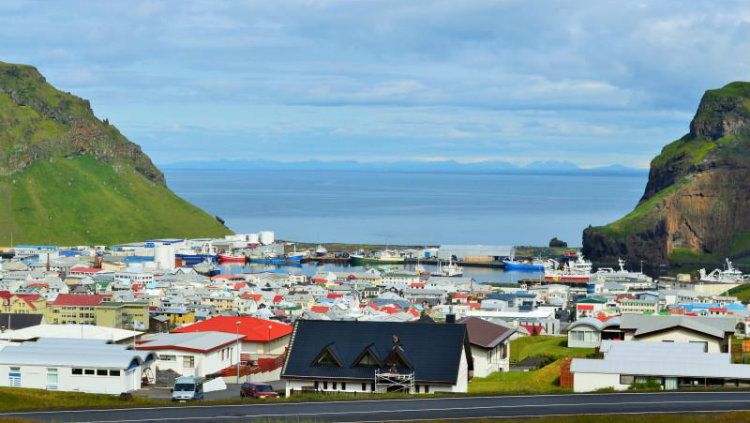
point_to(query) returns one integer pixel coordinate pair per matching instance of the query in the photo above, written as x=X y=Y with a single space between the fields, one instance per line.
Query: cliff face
x=40 y=122
x=697 y=200
x=67 y=177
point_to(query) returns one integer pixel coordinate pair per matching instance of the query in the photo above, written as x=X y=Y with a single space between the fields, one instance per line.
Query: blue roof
x=37 y=247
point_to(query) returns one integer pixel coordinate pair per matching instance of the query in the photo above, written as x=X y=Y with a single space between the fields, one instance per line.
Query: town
x=185 y=319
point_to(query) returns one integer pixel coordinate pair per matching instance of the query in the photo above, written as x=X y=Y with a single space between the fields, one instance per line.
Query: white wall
x=679 y=335
x=587 y=382
x=266 y=349
x=36 y=377
x=204 y=363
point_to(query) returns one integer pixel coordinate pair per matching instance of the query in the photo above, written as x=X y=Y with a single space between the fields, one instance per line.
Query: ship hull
x=360 y=261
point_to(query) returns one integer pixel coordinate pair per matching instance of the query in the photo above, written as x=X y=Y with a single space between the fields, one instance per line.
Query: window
x=77 y=371
x=626 y=379
x=327 y=359
x=364 y=387
x=188 y=362
x=89 y=371
x=417 y=388
x=52 y=379
x=325 y=385
x=317 y=385
x=427 y=389
x=101 y=372
x=334 y=386
x=343 y=386
x=114 y=373
x=668 y=341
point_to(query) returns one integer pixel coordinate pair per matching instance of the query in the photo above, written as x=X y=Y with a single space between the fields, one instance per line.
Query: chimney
x=450 y=318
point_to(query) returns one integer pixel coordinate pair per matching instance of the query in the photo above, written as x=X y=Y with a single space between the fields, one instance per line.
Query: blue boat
x=523 y=266
x=267 y=260
x=190 y=259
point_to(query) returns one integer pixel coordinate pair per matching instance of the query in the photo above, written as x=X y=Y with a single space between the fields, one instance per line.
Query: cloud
x=583 y=81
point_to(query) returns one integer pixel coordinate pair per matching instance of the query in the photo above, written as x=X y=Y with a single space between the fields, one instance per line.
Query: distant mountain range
x=551 y=166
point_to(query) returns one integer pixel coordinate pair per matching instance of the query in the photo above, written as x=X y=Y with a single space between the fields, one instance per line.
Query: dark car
x=257 y=390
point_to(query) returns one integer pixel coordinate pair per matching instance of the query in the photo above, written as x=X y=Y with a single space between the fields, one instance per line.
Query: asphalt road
x=419 y=408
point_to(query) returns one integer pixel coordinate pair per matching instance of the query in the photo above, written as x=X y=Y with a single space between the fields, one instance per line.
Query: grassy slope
x=84 y=201
x=544 y=346
x=542 y=381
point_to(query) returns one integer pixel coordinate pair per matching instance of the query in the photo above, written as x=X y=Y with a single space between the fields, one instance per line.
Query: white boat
x=728 y=275
x=450 y=270
x=608 y=274
x=320 y=251
x=573 y=271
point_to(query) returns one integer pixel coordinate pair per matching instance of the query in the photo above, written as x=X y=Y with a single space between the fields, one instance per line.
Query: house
x=79 y=365
x=490 y=345
x=260 y=337
x=377 y=357
x=589 y=332
x=73 y=309
x=127 y=315
x=193 y=354
x=714 y=333
x=643 y=305
x=670 y=365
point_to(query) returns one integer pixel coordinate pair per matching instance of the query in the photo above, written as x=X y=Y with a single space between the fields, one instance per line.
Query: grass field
x=542 y=381
x=18 y=399
x=85 y=201
x=544 y=346
x=734 y=417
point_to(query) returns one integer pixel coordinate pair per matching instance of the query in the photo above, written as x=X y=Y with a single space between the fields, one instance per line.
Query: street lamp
x=238 y=323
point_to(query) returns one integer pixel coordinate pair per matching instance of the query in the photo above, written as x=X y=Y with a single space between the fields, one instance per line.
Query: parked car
x=257 y=390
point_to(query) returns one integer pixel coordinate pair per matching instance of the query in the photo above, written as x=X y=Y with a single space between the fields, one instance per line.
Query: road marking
x=383 y=400
x=417 y=410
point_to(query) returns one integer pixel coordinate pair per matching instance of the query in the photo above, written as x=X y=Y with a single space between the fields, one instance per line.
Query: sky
x=592 y=82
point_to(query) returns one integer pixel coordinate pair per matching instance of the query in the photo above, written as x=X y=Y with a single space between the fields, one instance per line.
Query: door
x=14 y=377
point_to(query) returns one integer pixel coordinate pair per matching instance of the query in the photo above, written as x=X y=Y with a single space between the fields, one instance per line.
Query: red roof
x=319 y=309
x=255 y=297
x=78 y=300
x=253 y=328
x=334 y=296
x=460 y=295
x=5 y=294
x=585 y=306
x=278 y=298
x=319 y=280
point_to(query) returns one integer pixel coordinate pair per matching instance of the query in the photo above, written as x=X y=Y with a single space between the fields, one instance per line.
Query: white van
x=187 y=388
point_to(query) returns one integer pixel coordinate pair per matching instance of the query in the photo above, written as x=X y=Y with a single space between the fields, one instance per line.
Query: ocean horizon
x=418 y=208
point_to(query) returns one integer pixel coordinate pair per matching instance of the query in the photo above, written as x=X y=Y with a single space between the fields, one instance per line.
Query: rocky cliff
x=68 y=177
x=697 y=200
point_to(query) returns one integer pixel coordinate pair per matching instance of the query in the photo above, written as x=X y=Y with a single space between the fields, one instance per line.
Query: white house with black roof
x=377 y=357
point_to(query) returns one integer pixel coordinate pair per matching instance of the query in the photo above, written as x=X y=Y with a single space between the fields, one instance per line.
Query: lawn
x=733 y=417
x=544 y=346
x=542 y=381
x=22 y=399
x=742 y=292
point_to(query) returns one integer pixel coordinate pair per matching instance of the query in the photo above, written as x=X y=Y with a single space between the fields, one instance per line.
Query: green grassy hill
x=67 y=177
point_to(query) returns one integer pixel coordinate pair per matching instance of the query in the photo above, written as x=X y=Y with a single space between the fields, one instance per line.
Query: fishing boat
x=267 y=259
x=450 y=270
x=536 y=265
x=207 y=268
x=191 y=258
x=229 y=258
x=573 y=271
x=728 y=275
x=634 y=279
x=382 y=257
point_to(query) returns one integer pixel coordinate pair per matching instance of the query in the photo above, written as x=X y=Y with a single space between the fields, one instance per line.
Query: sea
x=403 y=208
x=409 y=208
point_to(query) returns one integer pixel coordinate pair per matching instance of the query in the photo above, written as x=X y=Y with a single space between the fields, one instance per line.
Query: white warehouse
x=76 y=365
